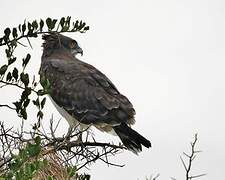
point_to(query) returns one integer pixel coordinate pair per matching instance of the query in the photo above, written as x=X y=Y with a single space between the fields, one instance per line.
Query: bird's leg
x=79 y=136
x=69 y=133
x=66 y=139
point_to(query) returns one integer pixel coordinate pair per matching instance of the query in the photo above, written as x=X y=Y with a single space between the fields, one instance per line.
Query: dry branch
x=190 y=158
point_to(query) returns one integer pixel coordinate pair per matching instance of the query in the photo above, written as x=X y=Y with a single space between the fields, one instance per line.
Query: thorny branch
x=191 y=157
x=71 y=151
x=153 y=177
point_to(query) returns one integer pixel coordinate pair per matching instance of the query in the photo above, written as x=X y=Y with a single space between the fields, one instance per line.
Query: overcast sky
x=167 y=57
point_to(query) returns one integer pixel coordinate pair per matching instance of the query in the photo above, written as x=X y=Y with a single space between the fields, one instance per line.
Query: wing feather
x=86 y=93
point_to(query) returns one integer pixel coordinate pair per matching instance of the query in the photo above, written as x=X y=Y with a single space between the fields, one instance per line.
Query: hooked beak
x=79 y=50
x=76 y=51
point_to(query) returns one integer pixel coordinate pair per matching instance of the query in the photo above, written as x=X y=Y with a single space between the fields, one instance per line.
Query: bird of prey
x=83 y=95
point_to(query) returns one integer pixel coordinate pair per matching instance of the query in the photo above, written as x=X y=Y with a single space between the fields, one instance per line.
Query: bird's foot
x=70 y=135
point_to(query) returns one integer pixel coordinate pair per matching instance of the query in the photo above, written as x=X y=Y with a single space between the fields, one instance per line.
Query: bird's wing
x=86 y=93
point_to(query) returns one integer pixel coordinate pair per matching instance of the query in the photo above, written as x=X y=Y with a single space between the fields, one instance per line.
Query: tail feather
x=130 y=138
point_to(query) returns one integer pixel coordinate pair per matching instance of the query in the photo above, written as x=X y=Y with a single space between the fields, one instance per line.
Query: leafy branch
x=20 y=79
x=33 y=29
x=39 y=146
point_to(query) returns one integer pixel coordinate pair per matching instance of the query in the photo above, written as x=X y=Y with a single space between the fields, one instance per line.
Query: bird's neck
x=58 y=54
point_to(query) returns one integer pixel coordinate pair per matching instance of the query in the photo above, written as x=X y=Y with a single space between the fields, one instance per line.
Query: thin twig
x=26 y=36
x=7 y=106
x=15 y=84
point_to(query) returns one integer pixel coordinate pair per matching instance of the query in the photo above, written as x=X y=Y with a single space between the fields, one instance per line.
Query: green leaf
x=35 y=126
x=23 y=28
x=26 y=60
x=26 y=93
x=26 y=103
x=24 y=78
x=84 y=177
x=53 y=23
x=30 y=29
x=29 y=169
x=76 y=24
x=41 y=92
x=18 y=105
x=45 y=83
x=35 y=24
x=30 y=26
x=32 y=34
x=37 y=140
x=3 y=69
x=9 y=76
x=82 y=25
x=7 y=52
x=1 y=39
x=11 y=60
x=32 y=167
x=36 y=102
x=15 y=74
x=43 y=102
x=45 y=162
x=65 y=28
x=71 y=171
x=33 y=149
x=68 y=18
x=50 y=178
x=19 y=175
x=7 y=32
x=62 y=21
x=23 y=113
x=40 y=114
x=86 y=28
x=49 y=23
x=41 y=25
x=15 y=35
x=19 y=27
x=37 y=164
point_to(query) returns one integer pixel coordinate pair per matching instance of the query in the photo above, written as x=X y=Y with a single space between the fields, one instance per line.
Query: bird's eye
x=73 y=44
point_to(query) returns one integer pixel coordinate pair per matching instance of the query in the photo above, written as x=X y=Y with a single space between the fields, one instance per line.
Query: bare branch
x=7 y=106
x=183 y=163
x=153 y=177
x=190 y=159
x=197 y=176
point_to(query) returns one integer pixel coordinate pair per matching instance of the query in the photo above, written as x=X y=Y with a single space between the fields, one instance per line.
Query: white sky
x=167 y=57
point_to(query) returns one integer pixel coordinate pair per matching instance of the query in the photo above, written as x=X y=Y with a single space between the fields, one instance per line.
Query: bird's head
x=57 y=42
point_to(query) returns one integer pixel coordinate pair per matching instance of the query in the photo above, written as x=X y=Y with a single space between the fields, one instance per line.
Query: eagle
x=83 y=95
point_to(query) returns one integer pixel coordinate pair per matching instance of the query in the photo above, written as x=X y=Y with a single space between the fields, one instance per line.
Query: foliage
x=26 y=163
